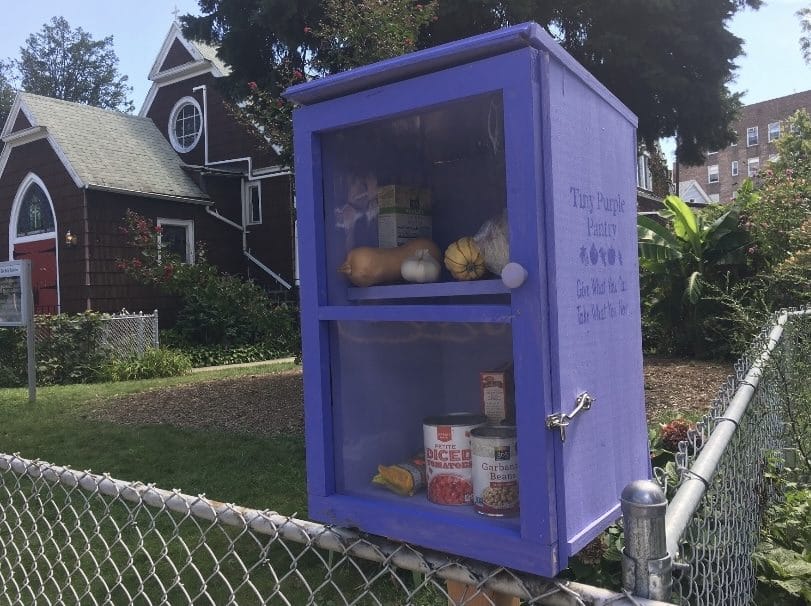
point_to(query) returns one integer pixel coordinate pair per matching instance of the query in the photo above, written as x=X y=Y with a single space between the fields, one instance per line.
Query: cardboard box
x=404 y=214
x=498 y=395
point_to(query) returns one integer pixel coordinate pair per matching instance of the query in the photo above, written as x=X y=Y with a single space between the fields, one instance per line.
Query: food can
x=495 y=470
x=447 y=457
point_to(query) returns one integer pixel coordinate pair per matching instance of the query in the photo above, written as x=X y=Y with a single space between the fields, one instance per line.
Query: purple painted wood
x=505 y=120
x=594 y=304
x=431 y=290
x=446 y=56
x=499 y=314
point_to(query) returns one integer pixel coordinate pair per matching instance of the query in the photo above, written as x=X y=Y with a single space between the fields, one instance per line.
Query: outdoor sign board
x=15 y=293
x=503 y=139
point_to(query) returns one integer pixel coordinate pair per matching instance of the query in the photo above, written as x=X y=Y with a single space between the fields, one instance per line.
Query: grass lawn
x=81 y=545
x=248 y=470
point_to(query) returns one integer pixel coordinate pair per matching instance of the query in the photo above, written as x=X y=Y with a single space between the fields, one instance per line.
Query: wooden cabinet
x=503 y=124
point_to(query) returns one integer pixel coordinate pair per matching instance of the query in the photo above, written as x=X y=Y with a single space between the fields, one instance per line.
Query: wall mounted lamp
x=71 y=239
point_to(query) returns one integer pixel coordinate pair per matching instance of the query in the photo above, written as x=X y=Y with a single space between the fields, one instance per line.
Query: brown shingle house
x=185 y=162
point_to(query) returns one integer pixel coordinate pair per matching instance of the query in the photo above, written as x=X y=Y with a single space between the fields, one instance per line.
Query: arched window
x=34 y=215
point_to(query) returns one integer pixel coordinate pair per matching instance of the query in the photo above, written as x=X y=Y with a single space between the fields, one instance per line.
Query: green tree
x=6 y=95
x=670 y=62
x=6 y=91
x=778 y=215
x=68 y=64
x=805 y=25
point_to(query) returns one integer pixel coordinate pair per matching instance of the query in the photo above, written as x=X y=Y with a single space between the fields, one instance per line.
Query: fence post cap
x=643 y=494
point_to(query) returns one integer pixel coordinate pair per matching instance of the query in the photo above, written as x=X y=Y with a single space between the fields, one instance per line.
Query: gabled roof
x=201 y=58
x=692 y=193
x=104 y=149
x=198 y=59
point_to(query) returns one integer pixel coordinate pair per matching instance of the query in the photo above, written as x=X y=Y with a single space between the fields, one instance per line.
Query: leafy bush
x=680 y=259
x=240 y=354
x=153 y=364
x=12 y=357
x=711 y=278
x=67 y=348
x=216 y=309
x=783 y=558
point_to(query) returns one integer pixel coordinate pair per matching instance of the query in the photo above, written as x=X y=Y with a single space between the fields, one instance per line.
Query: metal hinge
x=561 y=420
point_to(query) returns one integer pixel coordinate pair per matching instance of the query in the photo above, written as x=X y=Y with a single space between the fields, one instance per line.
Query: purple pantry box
x=504 y=124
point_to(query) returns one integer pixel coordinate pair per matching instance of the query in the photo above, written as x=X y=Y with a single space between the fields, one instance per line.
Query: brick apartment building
x=723 y=172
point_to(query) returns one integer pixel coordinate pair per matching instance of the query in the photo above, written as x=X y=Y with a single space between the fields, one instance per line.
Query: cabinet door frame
x=515 y=75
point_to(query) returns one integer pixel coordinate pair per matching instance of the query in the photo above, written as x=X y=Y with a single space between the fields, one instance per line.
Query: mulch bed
x=272 y=404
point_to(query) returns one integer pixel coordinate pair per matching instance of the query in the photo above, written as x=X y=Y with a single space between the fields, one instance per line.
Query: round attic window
x=185 y=124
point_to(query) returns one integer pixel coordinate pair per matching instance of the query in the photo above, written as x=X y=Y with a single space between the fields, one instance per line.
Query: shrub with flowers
x=216 y=308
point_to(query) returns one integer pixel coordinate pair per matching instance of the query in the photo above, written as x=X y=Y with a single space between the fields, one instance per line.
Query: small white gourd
x=420 y=267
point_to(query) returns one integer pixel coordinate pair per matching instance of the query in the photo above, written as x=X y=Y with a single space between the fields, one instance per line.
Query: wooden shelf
x=496 y=314
x=434 y=289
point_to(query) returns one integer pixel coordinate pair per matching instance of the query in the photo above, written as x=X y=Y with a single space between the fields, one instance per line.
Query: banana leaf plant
x=680 y=255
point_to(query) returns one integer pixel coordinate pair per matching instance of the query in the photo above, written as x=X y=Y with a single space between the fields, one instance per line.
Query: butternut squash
x=367 y=266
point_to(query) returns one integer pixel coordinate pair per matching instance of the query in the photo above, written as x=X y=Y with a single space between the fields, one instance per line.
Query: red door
x=42 y=254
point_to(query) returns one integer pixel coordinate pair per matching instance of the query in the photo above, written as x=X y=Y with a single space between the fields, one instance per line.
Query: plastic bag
x=494 y=241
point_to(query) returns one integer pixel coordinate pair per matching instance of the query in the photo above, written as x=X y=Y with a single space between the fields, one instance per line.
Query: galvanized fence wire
x=727 y=473
x=71 y=537
x=121 y=335
x=127 y=334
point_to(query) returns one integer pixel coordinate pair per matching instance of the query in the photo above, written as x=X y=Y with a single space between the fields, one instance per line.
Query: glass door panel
x=437 y=173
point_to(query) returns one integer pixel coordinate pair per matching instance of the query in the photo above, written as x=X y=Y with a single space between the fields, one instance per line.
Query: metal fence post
x=155 y=331
x=646 y=565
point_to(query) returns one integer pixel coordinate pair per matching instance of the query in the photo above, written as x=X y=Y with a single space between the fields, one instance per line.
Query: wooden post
x=459 y=592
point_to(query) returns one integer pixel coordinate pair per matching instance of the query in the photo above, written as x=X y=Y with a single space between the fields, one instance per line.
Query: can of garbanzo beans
x=495 y=470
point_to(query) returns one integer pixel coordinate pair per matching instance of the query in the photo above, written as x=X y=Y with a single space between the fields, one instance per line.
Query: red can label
x=448 y=460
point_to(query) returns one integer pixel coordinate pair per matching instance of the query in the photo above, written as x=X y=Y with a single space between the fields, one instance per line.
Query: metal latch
x=561 y=420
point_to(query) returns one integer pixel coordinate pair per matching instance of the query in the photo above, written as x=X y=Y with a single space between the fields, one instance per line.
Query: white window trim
x=734 y=169
x=711 y=172
x=189 y=225
x=757 y=136
x=769 y=130
x=171 y=126
x=749 y=164
x=247 y=202
x=12 y=227
x=735 y=142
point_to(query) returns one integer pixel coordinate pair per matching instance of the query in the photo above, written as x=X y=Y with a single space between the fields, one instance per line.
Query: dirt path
x=272 y=404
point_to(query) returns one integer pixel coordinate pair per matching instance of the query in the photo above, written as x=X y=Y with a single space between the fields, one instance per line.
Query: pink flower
x=252 y=85
x=307 y=30
x=298 y=74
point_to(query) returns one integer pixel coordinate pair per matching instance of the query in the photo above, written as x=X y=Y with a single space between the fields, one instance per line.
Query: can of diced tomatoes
x=494 y=451
x=447 y=457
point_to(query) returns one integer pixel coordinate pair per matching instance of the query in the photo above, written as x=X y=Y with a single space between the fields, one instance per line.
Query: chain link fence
x=127 y=334
x=74 y=537
x=121 y=335
x=71 y=537
x=728 y=469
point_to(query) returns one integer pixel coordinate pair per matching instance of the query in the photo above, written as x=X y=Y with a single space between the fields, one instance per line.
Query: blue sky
x=773 y=66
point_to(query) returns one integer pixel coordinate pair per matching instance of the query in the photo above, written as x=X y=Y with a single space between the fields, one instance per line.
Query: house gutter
x=144 y=194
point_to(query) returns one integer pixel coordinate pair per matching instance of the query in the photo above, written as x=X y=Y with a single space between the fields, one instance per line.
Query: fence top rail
x=537 y=590
x=698 y=478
